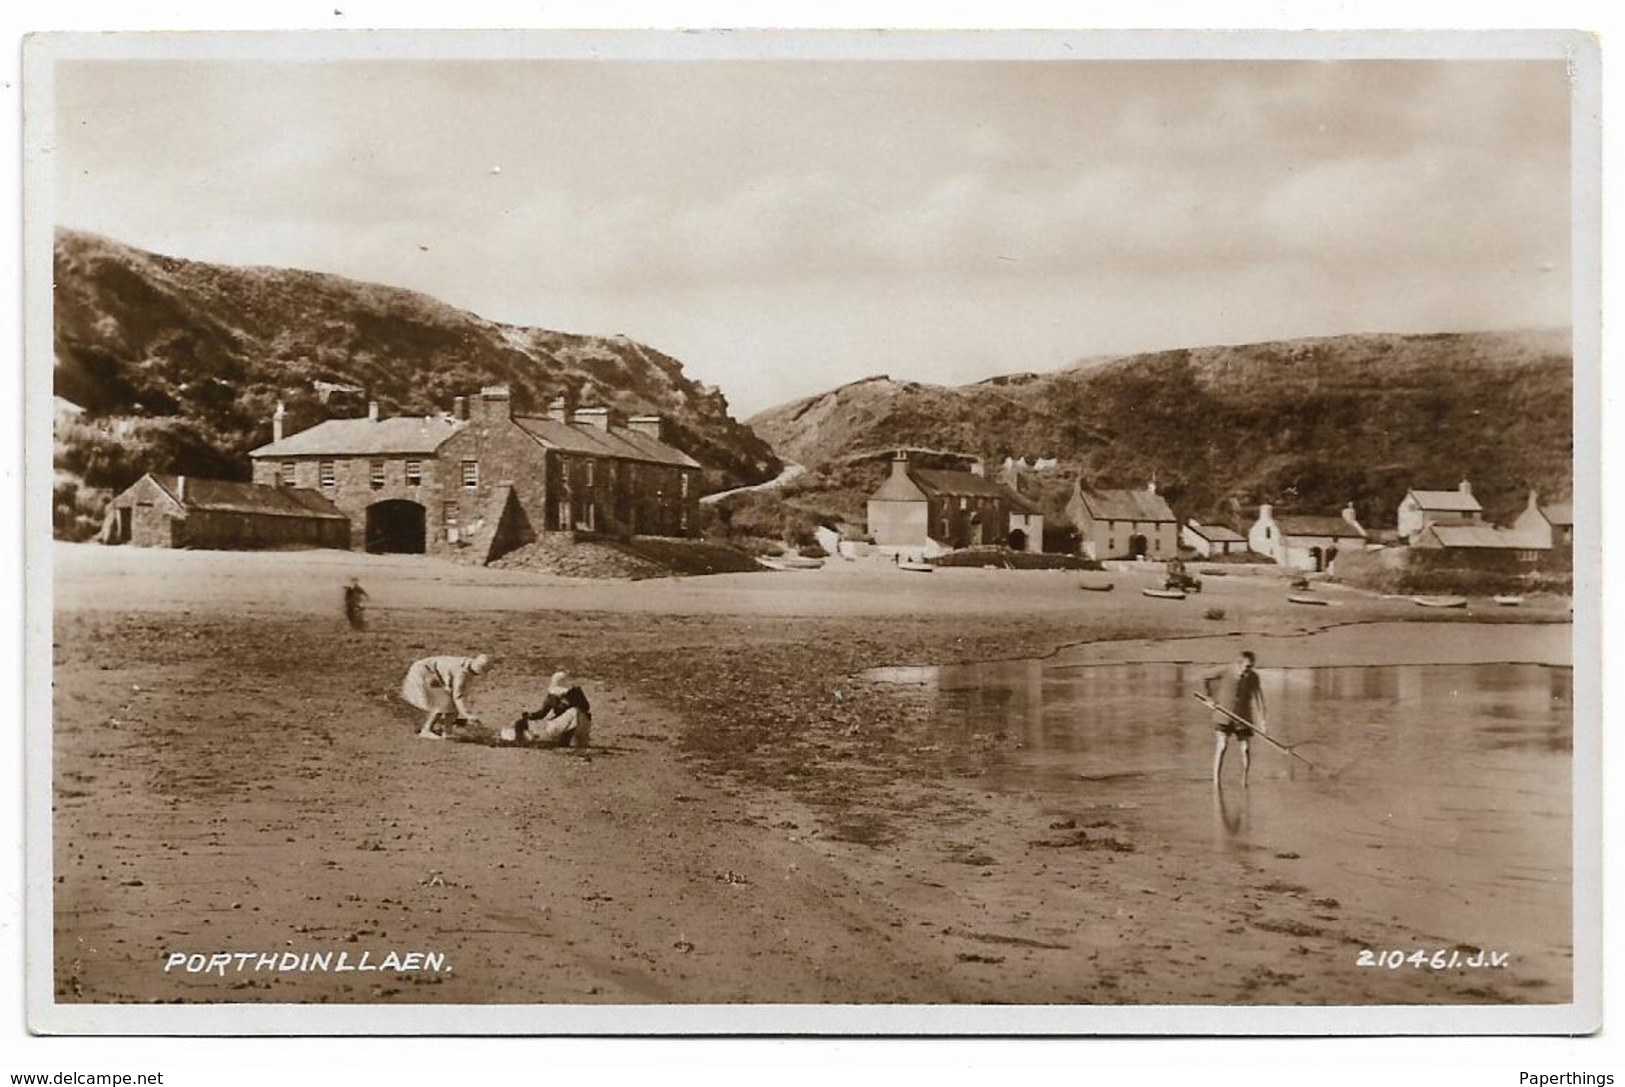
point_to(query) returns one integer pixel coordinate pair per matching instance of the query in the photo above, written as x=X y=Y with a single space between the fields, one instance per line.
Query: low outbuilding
x=185 y=511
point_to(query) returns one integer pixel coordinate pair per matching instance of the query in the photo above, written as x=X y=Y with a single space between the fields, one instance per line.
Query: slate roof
x=1456 y=501
x=619 y=442
x=920 y=483
x=1309 y=524
x=1135 y=505
x=1559 y=513
x=226 y=496
x=1481 y=537
x=1217 y=533
x=400 y=434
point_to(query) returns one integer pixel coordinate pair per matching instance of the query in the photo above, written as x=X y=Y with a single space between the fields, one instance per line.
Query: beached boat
x=791 y=562
x=1088 y=588
x=1440 y=601
x=1509 y=600
x=1164 y=594
x=1305 y=598
x=916 y=567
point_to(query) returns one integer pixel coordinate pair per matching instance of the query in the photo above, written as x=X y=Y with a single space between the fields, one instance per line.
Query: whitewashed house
x=1302 y=541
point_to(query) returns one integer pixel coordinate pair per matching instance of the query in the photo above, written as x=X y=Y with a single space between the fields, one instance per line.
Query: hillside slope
x=1309 y=423
x=178 y=364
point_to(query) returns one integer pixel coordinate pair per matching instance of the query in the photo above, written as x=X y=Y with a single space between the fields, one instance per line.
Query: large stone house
x=1304 y=541
x=187 y=511
x=1124 y=524
x=482 y=480
x=919 y=512
x=1418 y=509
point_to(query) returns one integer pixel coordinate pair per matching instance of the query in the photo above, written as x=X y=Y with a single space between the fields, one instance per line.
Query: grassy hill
x=1308 y=424
x=178 y=365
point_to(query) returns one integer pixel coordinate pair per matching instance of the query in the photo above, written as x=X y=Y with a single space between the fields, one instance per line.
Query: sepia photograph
x=617 y=532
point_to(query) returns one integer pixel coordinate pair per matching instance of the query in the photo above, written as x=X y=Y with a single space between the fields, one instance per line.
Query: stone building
x=185 y=511
x=1211 y=540
x=920 y=512
x=481 y=480
x=1123 y=524
x=1549 y=526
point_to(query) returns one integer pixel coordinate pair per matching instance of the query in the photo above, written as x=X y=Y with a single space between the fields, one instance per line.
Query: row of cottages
x=1454 y=521
x=482 y=480
x=179 y=511
x=921 y=512
x=1123 y=524
x=1302 y=541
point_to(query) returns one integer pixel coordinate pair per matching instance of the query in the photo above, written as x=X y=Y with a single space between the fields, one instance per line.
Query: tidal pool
x=1444 y=804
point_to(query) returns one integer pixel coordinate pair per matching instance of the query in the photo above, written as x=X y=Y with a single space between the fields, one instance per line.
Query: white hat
x=560 y=683
x=480 y=664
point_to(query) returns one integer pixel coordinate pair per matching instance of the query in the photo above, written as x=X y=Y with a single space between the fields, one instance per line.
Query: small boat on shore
x=1164 y=594
x=1088 y=588
x=1439 y=601
x=791 y=562
x=1509 y=600
x=1305 y=598
x=916 y=567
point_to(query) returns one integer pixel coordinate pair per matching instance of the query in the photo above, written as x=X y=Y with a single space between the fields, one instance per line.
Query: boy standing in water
x=1238 y=689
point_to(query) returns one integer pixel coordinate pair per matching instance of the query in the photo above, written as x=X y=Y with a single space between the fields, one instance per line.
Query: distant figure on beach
x=1236 y=688
x=564 y=717
x=440 y=687
x=355 y=604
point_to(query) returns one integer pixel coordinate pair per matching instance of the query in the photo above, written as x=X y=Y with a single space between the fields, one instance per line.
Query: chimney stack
x=1466 y=488
x=276 y=422
x=899 y=463
x=459 y=408
x=652 y=425
x=978 y=467
x=1534 y=499
x=180 y=489
x=601 y=417
x=496 y=401
x=372 y=410
x=563 y=407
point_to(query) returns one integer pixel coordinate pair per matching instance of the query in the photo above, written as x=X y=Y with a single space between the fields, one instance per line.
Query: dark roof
x=1310 y=524
x=621 y=442
x=1216 y=533
x=899 y=487
x=1457 y=500
x=225 y=496
x=365 y=437
x=968 y=484
x=1131 y=505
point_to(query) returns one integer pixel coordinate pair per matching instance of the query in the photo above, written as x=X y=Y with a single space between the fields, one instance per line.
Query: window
x=682 y=514
x=471 y=475
x=1111 y=545
x=592 y=509
x=592 y=474
x=327 y=472
x=563 y=513
x=448 y=513
x=962 y=502
x=685 y=477
x=414 y=473
x=377 y=472
x=287 y=473
x=1156 y=544
x=1269 y=533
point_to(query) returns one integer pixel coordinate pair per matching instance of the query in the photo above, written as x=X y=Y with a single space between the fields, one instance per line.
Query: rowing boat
x=1301 y=598
x=1509 y=600
x=1088 y=588
x=916 y=567
x=1439 y=601
x=1163 y=594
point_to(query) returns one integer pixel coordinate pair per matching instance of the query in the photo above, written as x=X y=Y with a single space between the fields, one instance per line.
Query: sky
x=785 y=227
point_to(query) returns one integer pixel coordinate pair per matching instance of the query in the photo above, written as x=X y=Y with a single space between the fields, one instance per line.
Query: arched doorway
x=1018 y=540
x=1316 y=559
x=396 y=527
x=1138 y=545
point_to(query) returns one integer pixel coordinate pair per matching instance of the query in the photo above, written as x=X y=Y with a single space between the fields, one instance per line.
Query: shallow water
x=1443 y=805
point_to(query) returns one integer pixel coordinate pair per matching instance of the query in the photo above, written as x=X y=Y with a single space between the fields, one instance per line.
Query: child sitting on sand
x=564 y=717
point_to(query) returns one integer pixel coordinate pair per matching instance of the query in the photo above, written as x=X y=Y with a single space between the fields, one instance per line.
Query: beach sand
x=233 y=771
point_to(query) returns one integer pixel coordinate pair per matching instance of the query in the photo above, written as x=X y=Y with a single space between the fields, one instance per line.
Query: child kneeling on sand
x=564 y=718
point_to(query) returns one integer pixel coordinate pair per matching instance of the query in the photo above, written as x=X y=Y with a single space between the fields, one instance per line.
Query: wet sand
x=232 y=771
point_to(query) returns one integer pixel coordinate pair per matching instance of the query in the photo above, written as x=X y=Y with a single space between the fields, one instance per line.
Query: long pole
x=1238 y=719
